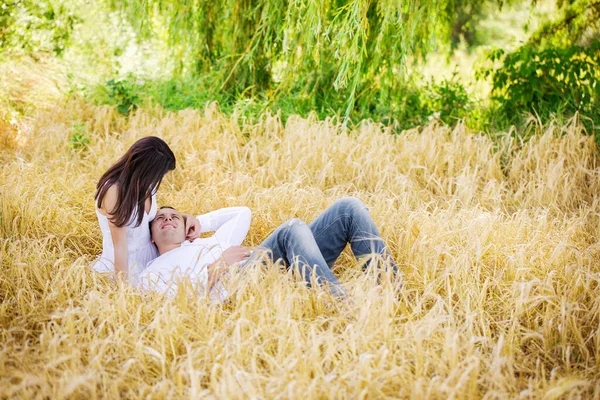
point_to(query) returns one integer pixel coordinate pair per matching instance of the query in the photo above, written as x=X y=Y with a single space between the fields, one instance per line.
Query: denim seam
x=333 y=222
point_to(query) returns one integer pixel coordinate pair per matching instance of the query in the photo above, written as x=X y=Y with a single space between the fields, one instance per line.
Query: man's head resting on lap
x=167 y=229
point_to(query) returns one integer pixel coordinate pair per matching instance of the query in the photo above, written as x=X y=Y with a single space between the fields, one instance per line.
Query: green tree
x=354 y=50
x=557 y=72
x=34 y=26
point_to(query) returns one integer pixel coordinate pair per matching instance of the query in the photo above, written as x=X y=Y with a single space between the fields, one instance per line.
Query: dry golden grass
x=498 y=243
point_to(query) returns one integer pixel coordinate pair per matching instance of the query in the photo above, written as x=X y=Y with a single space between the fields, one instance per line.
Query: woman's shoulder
x=110 y=199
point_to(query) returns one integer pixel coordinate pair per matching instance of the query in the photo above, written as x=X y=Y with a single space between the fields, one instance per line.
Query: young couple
x=154 y=248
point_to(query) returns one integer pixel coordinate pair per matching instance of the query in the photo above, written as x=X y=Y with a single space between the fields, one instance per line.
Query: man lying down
x=202 y=260
x=314 y=248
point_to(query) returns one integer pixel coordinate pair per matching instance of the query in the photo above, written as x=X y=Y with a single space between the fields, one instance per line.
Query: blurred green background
x=492 y=64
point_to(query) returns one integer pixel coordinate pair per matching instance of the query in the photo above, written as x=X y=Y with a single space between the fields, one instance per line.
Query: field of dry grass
x=498 y=242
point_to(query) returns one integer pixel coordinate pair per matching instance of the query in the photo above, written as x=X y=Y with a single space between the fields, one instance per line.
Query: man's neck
x=165 y=248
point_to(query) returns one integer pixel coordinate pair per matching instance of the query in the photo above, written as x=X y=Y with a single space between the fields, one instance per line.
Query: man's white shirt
x=191 y=259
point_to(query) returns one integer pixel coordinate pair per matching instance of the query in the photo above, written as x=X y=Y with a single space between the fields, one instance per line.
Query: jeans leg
x=294 y=242
x=348 y=221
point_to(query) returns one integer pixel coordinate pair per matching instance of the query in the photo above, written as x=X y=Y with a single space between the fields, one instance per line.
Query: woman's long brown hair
x=138 y=175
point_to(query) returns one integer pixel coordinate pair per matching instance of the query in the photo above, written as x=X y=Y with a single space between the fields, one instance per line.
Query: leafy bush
x=559 y=81
x=407 y=107
x=125 y=93
x=412 y=105
x=36 y=25
x=449 y=98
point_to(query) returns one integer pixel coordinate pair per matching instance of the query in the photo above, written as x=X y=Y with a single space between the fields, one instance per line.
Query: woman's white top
x=140 y=250
x=191 y=259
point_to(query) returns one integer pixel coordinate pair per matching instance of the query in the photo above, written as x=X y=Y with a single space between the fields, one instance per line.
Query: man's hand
x=235 y=254
x=229 y=257
x=192 y=227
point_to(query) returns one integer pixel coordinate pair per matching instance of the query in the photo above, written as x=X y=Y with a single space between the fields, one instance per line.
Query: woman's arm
x=118 y=234
x=119 y=239
x=230 y=224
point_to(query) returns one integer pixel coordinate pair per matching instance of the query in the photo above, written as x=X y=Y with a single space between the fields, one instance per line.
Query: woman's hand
x=192 y=227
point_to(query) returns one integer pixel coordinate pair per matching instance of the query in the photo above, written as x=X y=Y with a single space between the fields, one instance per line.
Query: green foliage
x=333 y=57
x=553 y=75
x=355 y=48
x=449 y=99
x=36 y=26
x=80 y=137
x=559 y=81
x=414 y=104
x=179 y=93
x=124 y=93
x=408 y=107
x=467 y=15
x=578 y=25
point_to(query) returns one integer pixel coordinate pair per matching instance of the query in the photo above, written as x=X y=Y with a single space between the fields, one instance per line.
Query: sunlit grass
x=498 y=241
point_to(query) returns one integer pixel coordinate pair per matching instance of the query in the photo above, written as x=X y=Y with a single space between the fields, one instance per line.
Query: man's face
x=168 y=227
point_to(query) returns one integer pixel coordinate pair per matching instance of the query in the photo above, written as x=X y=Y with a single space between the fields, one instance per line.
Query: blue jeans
x=315 y=247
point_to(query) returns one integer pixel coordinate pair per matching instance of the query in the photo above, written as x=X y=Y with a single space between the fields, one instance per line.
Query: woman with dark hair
x=126 y=204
